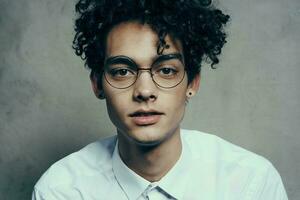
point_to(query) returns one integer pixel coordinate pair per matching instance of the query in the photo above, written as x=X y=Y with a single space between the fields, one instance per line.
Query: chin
x=147 y=144
x=148 y=137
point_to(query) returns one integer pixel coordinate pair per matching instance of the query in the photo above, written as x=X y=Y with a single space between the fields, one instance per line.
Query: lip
x=145 y=117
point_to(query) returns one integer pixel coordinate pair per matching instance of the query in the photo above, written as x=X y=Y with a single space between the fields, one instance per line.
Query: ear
x=99 y=93
x=193 y=86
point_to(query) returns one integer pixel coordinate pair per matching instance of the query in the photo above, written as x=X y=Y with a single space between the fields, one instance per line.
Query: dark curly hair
x=196 y=23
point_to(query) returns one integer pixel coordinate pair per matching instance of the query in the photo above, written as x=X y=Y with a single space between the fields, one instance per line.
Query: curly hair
x=196 y=23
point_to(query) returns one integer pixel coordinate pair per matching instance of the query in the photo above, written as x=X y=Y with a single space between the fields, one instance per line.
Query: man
x=145 y=59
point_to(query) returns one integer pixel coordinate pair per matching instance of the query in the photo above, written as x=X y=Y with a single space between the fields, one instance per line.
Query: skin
x=150 y=150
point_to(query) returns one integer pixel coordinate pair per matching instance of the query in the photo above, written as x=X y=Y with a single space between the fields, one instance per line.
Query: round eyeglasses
x=167 y=71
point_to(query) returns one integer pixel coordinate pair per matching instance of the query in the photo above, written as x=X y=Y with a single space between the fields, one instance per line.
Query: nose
x=144 y=88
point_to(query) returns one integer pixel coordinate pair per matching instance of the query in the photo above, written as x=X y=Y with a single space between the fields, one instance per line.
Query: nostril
x=141 y=97
x=152 y=97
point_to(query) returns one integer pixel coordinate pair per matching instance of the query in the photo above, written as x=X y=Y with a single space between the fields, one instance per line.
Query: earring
x=190 y=94
x=101 y=95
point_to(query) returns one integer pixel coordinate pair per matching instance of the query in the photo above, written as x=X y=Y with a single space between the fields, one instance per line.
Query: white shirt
x=209 y=168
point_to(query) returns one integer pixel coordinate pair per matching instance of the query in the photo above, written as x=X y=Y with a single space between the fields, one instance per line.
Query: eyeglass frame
x=161 y=58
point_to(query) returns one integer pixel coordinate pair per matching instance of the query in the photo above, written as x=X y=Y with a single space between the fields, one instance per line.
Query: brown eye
x=166 y=72
x=121 y=72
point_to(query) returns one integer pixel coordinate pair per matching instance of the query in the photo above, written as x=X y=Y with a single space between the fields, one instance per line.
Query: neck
x=151 y=162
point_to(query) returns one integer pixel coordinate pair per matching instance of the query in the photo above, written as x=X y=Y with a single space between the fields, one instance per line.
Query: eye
x=121 y=72
x=166 y=71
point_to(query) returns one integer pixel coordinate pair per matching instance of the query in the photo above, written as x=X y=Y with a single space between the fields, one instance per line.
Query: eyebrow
x=166 y=57
x=121 y=59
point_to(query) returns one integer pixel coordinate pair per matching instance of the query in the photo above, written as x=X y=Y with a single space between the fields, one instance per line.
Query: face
x=144 y=113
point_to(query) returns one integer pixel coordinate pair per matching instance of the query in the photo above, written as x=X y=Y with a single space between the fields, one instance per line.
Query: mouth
x=145 y=118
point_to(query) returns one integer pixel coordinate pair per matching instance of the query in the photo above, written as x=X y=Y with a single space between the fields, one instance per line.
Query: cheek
x=117 y=103
x=177 y=101
x=115 y=106
x=116 y=110
x=113 y=102
x=180 y=106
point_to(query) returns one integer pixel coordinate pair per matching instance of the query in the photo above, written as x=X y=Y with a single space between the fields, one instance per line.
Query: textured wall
x=48 y=110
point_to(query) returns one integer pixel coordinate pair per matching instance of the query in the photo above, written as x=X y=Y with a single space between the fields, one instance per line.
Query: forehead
x=137 y=41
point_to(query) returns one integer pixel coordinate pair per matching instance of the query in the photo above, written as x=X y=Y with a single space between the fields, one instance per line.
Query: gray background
x=48 y=109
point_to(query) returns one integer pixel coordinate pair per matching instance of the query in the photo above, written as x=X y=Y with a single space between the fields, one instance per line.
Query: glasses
x=167 y=71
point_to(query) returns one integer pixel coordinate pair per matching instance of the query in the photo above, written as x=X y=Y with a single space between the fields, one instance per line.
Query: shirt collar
x=131 y=183
x=177 y=179
x=134 y=185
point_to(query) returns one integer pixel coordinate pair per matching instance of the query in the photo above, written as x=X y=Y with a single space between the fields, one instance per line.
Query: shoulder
x=92 y=160
x=235 y=165
x=211 y=148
